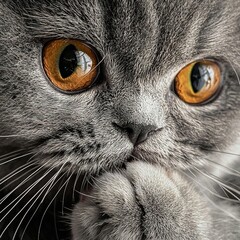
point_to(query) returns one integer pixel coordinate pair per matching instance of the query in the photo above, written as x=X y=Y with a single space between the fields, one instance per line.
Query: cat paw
x=142 y=202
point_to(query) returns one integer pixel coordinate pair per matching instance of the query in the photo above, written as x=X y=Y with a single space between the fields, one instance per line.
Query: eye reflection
x=84 y=61
x=201 y=76
x=70 y=65
x=71 y=58
x=198 y=81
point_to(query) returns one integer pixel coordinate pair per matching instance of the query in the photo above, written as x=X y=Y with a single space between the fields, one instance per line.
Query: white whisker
x=23 y=182
x=15 y=172
x=224 y=189
x=86 y=195
x=207 y=189
x=39 y=229
x=18 y=178
x=11 y=153
x=214 y=178
x=214 y=204
x=223 y=152
x=235 y=71
x=22 y=195
x=50 y=186
x=50 y=181
x=40 y=191
x=55 y=220
x=64 y=192
x=228 y=169
x=25 y=214
x=75 y=183
x=13 y=135
x=15 y=158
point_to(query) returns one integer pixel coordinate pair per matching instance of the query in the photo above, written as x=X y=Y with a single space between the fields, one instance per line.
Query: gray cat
x=119 y=119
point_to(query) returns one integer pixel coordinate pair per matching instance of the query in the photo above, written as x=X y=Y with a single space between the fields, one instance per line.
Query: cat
x=121 y=154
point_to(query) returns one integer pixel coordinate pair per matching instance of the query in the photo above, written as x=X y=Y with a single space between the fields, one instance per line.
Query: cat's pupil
x=68 y=61
x=199 y=75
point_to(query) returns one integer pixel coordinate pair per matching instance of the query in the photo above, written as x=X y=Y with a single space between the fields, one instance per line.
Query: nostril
x=143 y=135
x=137 y=133
x=130 y=131
x=127 y=130
x=118 y=127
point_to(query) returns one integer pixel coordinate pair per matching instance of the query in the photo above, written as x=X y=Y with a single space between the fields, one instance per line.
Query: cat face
x=142 y=45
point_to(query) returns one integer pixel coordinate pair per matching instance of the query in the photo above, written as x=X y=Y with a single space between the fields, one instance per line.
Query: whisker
x=223 y=152
x=22 y=195
x=56 y=175
x=55 y=220
x=15 y=172
x=43 y=189
x=214 y=193
x=98 y=64
x=86 y=195
x=214 y=178
x=224 y=189
x=75 y=184
x=215 y=150
x=64 y=193
x=23 y=182
x=95 y=182
x=221 y=209
x=11 y=153
x=207 y=189
x=235 y=71
x=230 y=170
x=13 y=135
x=50 y=181
x=39 y=191
x=18 y=178
x=15 y=158
x=39 y=229
x=12 y=191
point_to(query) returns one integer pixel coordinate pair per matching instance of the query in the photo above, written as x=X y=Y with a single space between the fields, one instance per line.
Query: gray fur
x=144 y=44
x=147 y=202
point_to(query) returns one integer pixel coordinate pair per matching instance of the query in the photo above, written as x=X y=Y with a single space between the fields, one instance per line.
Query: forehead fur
x=149 y=28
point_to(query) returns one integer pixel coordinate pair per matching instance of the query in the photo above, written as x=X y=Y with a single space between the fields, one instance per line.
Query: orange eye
x=70 y=65
x=198 y=82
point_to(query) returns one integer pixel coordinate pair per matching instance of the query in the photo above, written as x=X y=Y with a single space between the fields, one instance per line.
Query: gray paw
x=143 y=202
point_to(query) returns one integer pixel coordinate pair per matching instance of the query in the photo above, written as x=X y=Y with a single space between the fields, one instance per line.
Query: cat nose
x=137 y=133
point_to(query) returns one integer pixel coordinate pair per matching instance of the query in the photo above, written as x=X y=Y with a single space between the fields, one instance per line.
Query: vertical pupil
x=198 y=77
x=68 y=61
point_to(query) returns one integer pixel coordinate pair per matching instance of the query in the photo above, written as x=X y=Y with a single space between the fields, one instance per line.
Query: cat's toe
x=110 y=211
x=171 y=209
x=142 y=202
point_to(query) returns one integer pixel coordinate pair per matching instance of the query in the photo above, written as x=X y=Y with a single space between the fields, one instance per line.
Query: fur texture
x=56 y=141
